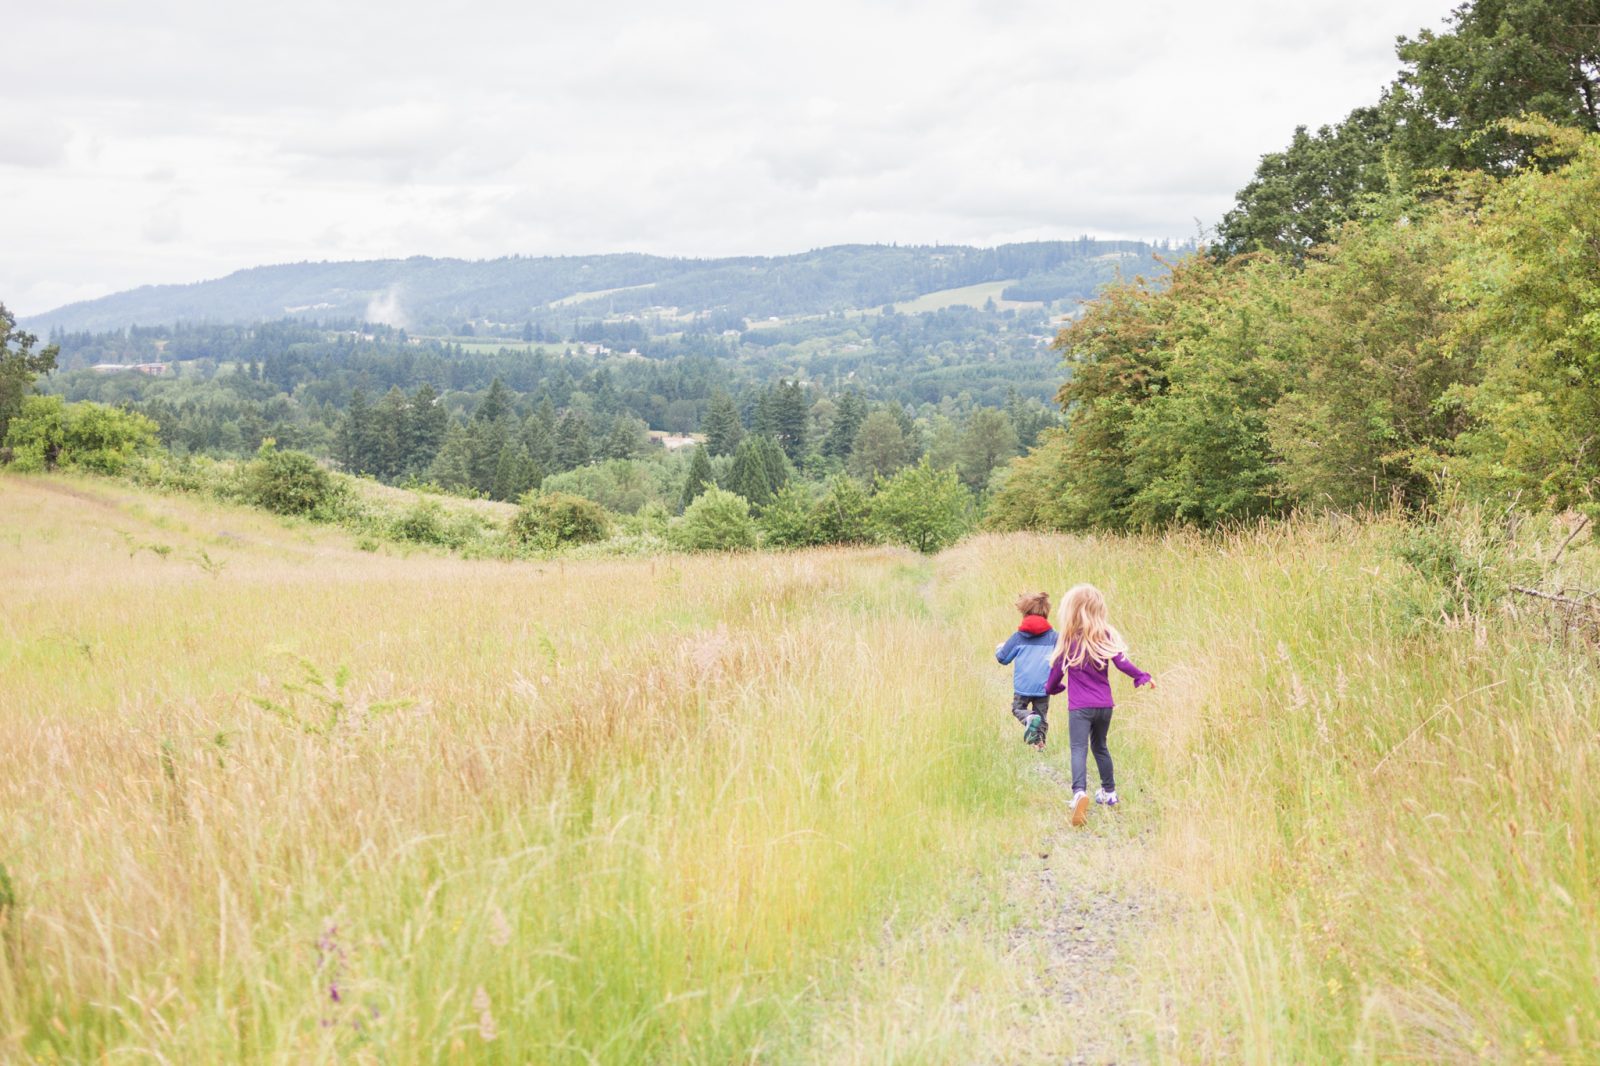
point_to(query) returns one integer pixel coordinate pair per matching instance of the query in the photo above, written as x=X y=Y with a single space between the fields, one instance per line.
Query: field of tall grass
x=265 y=796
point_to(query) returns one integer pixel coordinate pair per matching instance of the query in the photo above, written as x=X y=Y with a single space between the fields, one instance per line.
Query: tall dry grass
x=265 y=797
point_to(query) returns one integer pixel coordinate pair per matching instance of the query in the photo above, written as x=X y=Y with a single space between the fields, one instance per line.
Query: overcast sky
x=172 y=140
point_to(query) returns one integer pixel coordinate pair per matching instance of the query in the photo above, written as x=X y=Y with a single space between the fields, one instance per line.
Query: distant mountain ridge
x=425 y=293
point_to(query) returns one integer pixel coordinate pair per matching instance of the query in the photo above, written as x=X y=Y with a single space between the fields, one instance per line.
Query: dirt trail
x=1088 y=911
x=1088 y=906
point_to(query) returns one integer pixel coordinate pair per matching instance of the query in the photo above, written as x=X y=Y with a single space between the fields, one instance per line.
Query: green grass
x=966 y=296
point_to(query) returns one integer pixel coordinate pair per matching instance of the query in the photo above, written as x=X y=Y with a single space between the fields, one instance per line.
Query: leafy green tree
x=923 y=508
x=19 y=366
x=700 y=477
x=988 y=441
x=844 y=514
x=1500 y=59
x=48 y=432
x=721 y=426
x=716 y=521
x=1447 y=109
x=1530 y=279
x=880 y=446
x=495 y=405
x=749 y=476
x=785 y=522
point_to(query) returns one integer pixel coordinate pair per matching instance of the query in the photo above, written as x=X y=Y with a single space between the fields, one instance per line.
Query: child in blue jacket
x=1029 y=651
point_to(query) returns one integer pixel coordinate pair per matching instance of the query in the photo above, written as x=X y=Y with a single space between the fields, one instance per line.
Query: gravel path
x=1086 y=911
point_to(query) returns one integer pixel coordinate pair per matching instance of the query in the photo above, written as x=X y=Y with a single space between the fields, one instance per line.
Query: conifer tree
x=749 y=476
x=573 y=448
x=700 y=477
x=721 y=424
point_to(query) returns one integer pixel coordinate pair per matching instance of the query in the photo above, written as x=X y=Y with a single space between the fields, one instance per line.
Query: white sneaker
x=1109 y=799
x=1080 y=808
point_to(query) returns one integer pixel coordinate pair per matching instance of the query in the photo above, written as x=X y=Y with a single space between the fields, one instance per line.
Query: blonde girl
x=1086 y=646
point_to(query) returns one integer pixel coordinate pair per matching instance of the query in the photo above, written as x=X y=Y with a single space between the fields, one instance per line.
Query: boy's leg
x=1100 y=723
x=1041 y=707
x=1078 y=730
x=1019 y=708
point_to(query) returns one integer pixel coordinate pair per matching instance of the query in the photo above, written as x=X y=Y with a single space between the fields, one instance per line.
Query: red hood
x=1034 y=624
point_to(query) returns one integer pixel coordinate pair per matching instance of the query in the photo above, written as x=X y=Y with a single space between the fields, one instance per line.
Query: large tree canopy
x=1446 y=110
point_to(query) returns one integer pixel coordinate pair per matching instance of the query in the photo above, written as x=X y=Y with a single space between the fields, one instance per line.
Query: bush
x=844 y=515
x=786 y=521
x=48 y=432
x=549 y=519
x=717 y=521
x=923 y=507
x=289 y=483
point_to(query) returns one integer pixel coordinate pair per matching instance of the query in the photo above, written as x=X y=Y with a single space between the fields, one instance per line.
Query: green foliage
x=749 y=478
x=990 y=439
x=19 y=366
x=1461 y=563
x=786 y=522
x=1530 y=282
x=700 y=476
x=844 y=514
x=549 y=519
x=622 y=486
x=923 y=508
x=427 y=522
x=880 y=446
x=716 y=521
x=287 y=482
x=46 y=433
x=721 y=426
x=1447 y=109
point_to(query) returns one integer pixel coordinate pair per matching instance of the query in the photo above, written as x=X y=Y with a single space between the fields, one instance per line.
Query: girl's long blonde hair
x=1085 y=633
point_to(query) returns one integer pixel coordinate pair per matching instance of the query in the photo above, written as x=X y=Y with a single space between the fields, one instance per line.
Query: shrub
x=289 y=483
x=844 y=515
x=548 y=519
x=786 y=521
x=716 y=521
x=424 y=522
x=48 y=432
x=923 y=507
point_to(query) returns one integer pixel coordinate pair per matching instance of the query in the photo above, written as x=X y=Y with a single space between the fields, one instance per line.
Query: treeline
x=755 y=443
x=1441 y=335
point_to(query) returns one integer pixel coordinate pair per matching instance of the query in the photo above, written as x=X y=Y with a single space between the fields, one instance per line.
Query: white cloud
x=307 y=130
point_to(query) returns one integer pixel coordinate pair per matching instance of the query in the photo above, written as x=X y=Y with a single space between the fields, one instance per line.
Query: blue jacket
x=1029 y=649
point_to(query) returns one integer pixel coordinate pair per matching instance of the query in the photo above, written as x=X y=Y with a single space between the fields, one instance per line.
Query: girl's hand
x=1149 y=684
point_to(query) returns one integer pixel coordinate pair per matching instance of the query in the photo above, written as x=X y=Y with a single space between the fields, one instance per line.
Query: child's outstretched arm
x=1140 y=678
x=1007 y=649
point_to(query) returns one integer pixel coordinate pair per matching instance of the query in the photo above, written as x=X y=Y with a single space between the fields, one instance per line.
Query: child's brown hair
x=1034 y=603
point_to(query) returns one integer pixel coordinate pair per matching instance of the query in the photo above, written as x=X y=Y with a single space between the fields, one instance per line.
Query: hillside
x=439 y=295
x=360 y=806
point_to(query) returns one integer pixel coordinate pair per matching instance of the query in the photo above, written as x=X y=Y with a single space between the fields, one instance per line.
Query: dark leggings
x=1088 y=726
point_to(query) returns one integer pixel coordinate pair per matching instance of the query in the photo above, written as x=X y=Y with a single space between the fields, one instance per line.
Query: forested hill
x=434 y=294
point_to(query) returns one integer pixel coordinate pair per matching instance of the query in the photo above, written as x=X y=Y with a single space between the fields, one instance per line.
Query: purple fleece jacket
x=1088 y=685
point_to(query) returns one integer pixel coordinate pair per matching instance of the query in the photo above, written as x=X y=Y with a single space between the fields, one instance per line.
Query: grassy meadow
x=268 y=797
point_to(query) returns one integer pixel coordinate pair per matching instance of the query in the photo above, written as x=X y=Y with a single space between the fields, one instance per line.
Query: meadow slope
x=265 y=796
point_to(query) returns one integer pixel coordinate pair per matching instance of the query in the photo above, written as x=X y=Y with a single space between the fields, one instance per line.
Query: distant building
x=153 y=369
